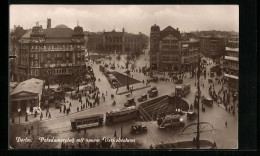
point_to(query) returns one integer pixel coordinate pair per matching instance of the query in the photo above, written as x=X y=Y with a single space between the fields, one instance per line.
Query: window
x=32 y=47
x=36 y=47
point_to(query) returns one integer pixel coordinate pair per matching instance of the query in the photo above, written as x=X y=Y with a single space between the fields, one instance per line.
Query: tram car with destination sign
x=87 y=121
x=122 y=114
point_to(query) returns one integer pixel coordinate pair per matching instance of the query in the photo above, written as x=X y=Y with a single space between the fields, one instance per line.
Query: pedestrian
x=70 y=104
x=115 y=134
x=106 y=93
x=60 y=109
x=226 y=123
x=81 y=107
x=49 y=115
x=77 y=109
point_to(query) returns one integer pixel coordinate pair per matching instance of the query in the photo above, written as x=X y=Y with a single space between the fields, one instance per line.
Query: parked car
x=143 y=98
x=191 y=115
x=130 y=102
x=153 y=88
x=212 y=74
x=138 y=129
x=153 y=93
x=178 y=81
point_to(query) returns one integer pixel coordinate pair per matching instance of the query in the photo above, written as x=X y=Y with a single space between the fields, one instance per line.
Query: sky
x=134 y=18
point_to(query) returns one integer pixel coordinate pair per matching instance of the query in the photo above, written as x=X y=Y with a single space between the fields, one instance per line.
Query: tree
x=46 y=76
x=78 y=75
x=18 y=132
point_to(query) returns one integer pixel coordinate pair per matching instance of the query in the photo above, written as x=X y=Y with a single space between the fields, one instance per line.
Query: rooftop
x=32 y=85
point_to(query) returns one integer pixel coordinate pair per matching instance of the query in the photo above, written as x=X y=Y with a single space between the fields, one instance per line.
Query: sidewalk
x=55 y=113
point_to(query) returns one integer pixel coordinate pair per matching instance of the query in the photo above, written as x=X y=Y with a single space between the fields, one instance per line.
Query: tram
x=122 y=114
x=87 y=121
x=182 y=90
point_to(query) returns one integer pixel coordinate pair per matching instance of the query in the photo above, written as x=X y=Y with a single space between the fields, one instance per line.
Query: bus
x=122 y=114
x=182 y=90
x=87 y=121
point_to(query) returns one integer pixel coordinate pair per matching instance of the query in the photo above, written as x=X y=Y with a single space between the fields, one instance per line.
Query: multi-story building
x=212 y=46
x=231 y=63
x=113 y=41
x=56 y=51
x=190 y=51
x=168 y=52
x=15 y=35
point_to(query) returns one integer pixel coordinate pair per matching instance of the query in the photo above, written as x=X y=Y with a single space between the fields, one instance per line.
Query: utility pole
x=121 y=135
x=198 y=87
x=127 y=80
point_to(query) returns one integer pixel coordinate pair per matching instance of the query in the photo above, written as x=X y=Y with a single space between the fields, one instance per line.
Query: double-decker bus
x=122 y=114
x=182 y=90
x=87 y=121
x=112 y=80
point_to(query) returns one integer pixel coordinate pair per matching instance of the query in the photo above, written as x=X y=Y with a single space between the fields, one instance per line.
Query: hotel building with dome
x=57 y=51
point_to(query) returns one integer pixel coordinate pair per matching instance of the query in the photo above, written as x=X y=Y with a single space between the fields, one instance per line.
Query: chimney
x=14 y=26
x=177 y=29
x=48 y=23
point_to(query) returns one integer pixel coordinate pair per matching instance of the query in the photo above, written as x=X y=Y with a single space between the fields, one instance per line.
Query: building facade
x=55 y=51
x=165 y=49
x=212 y=46
x=190 y=51
x=231 y=63
x=113 y=41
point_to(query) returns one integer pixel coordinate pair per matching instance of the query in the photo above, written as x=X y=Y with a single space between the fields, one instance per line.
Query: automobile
x=130 y=102
x=207 y=101
x=178 y=81
x=153 y=88
x=170 y=121
x=153 y=79
x=138 y=129
x=191 y=115
x=143 y=98
x=212 y=74
x=153 y=93
x=113 y=67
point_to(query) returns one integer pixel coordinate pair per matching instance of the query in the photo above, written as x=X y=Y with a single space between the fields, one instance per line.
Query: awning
x=231 y=76
x=231 y=58
x=24 y=98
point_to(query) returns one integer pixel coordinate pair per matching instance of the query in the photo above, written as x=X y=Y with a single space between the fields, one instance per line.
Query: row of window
x=35 y=55
x=52 y=47
x=169 y=41
x=167 y=58
x=87 y=122
x=169 y=47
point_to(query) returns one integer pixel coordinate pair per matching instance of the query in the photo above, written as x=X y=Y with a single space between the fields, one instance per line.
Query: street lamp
x=19 y=110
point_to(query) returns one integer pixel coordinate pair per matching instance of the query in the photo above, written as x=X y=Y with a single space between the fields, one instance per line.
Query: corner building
x=58 y=51
x=231 y=63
